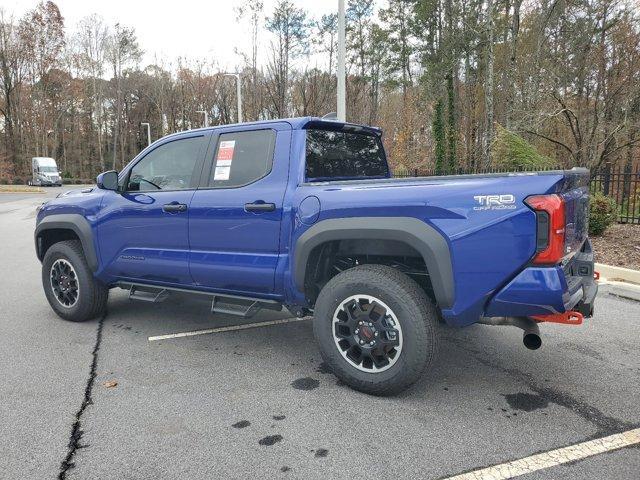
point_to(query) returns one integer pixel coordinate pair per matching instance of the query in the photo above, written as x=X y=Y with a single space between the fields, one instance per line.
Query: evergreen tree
x=439 y=137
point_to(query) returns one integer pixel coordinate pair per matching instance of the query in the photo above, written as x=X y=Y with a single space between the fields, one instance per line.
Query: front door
x=234 y=218
x=143 y=231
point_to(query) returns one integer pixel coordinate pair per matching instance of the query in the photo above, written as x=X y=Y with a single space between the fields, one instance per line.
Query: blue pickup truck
x=303 y=214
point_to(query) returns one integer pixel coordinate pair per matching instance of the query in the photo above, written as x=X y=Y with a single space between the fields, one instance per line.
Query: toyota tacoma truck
x=304 y=214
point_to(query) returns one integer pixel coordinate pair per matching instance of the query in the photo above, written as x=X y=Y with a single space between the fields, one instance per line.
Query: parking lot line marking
x=553 y=457
x=230 y=328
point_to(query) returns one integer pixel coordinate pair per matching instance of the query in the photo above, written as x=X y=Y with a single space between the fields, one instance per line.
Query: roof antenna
x=331 y=116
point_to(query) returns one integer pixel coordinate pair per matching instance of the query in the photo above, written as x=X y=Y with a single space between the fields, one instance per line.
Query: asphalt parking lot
x=100 y=400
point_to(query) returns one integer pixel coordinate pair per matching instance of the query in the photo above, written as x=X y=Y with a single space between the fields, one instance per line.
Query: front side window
x=335 y=154
x=242 y=158
x=169 y=167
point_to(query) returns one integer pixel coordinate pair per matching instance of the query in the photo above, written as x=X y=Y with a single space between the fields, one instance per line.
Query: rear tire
x=69 y=284
x=396 y=326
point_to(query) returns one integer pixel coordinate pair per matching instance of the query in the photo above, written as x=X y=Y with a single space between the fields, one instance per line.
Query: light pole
x=145 y=124
x=206 y=117
x=238 y=93
x=341 y=107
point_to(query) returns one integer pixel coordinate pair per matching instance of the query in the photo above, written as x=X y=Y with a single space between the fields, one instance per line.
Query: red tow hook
x=568 y=318
x=596 y=276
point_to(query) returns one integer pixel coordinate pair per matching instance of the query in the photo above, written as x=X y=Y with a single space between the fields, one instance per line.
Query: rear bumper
x=549 y=290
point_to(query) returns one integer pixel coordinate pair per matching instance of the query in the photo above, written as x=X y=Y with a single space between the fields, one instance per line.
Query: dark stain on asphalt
x=278 y=417
x=270 y=440
x=605 y=424
x=324 y=368
x=285 y=469
x=527 y=402
x=582 y=349
x=306 y=383
x=241 y=424
x=322 y=452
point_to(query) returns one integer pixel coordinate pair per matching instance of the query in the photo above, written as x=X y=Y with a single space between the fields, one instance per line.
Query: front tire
x=376 y=329
x=69 y=285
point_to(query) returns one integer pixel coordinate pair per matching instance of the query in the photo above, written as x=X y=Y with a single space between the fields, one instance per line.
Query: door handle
x=174 y=207
x=259 y=206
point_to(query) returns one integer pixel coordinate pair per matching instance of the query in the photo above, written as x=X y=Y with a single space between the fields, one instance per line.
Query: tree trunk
x=488 y=90
x=511 y=68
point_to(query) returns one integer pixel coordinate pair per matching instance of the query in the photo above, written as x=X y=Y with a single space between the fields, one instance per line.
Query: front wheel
x=69 y=284
x=376 y=329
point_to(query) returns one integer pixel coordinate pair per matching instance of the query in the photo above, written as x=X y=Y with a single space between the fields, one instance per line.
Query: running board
x=240 y=309
x=245 y=307
x=148 y=295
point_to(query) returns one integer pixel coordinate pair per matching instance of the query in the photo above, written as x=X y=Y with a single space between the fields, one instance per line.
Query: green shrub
x=603 y=211
x=511 y=152
x=4 y=180
x=18 y=181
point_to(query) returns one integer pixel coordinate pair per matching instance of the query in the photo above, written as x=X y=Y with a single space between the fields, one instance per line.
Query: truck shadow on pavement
x=487 y=362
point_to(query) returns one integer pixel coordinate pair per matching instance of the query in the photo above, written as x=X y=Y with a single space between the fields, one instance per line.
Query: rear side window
x=334 y=155
x=242 y=158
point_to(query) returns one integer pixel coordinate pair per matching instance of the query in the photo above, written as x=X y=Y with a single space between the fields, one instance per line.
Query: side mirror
x=108 y=180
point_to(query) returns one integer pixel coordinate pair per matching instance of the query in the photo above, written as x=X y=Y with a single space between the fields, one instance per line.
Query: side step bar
x=245 y=307
x=146 y=295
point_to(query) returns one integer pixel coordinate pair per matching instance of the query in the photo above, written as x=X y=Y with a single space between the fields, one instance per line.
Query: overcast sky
x=185 y=28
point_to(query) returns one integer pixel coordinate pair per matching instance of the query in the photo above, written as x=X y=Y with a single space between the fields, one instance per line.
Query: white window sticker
x=222 y=173
x=225 y=153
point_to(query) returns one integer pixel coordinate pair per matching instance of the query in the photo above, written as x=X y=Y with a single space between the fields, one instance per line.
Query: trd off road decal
x=504 y=201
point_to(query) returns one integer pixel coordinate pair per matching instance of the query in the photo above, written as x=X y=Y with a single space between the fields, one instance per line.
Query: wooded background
x=455 y=84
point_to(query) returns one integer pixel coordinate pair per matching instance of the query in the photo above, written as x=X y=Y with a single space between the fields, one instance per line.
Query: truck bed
x=489 y=244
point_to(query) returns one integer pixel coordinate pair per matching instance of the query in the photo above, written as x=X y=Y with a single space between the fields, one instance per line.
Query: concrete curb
x=618 y=274
x=618 y=281
x=20 y=189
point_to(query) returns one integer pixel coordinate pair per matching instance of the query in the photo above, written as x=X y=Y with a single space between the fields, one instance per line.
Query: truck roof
x=44 y=160
x=299 y=123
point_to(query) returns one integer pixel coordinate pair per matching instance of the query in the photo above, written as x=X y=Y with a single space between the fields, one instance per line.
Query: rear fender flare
x=421 y=236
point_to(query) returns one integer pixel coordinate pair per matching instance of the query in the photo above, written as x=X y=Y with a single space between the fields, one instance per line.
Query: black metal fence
x=620 y=183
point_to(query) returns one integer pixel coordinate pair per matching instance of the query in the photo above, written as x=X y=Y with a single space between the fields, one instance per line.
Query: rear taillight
x=550 y=228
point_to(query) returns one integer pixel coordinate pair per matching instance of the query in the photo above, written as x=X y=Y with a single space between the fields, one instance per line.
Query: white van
x=44 y=171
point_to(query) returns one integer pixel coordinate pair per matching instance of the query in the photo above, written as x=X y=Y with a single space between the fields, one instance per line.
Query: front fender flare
x=69 y=221
x=421 y=236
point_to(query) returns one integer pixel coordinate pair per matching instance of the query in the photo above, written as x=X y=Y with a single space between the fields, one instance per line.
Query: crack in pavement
x=76 y=430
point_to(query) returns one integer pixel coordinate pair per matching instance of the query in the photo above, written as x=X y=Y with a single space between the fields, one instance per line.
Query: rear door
x=234 y=218
x=143 y=230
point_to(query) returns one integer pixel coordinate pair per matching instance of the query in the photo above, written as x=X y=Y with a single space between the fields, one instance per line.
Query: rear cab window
x=344 y=155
